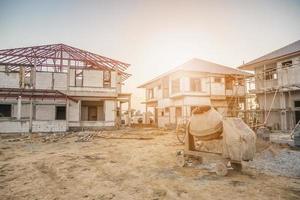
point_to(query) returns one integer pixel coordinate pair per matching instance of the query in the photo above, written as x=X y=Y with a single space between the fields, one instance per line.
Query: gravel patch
x=284 y=162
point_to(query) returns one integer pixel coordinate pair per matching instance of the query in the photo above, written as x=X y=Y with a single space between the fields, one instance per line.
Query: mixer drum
x=206 y=123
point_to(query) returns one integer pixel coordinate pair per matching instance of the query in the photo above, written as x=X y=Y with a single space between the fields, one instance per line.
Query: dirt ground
x=127 y=164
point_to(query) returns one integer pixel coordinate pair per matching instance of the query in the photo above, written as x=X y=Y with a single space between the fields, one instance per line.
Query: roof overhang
x=252 y=64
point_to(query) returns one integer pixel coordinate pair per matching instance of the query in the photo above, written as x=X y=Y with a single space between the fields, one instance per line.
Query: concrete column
x=67 y=114
x=30 y=116
x=19 y=107
x=33 y=75
x=146 y=115
x=22 y=77
x=283 y=117
x=129 y=112
x=68 y=75
x=79 y=109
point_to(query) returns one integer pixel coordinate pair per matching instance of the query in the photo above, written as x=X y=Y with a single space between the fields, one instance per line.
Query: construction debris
x=87 y=137
x=283 y=162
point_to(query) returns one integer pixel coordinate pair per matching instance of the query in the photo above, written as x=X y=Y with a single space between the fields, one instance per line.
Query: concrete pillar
x=33 y=75
x=22 y=77
x=67 y=113
x=30 y=115
x=79 y=109
x=19 y=107
x=129 y=112
x=146 y=115
x=68 y=75
x=283 y=117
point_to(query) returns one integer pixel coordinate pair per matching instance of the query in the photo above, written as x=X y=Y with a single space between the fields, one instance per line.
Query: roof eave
x=251 y=66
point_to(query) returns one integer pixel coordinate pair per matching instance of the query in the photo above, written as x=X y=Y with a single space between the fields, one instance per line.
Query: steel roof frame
x=39 y=56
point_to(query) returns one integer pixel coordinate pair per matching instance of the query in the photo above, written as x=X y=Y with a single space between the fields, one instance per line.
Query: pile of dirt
x=283 y=162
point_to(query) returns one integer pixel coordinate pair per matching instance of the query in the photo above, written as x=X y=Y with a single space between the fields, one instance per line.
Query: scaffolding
x=274 y=84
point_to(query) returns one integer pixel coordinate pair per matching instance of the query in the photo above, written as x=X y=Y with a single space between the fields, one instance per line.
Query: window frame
x=65 y=110
x=79 y=76
x=217 y=78
x=10 y=113
x=107 y=82
x=193 y=85
x=175 y=88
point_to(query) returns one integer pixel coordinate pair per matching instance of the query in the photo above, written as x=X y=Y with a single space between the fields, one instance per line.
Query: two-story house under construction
x=173 y=95
x=57 y=87
x=277 y=87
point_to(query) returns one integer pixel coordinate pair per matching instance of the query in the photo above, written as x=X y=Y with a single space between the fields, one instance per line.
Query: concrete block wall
x=270 y=96
x=92 y=78
x=172 y=115
x=45 y=112
x=9 y=80
x=119 y=83
x=71 y=77
x=14 y=126
x=43 y=80
x=110 y=110
x=163 y=121
x=25 y=110
x=289 y=76
x=113 y=79
x=217 y=88
x=60 y=81
x=74 y=110
x=184 y=84
x=196 y=101
x=51 y=80
x=49 y=126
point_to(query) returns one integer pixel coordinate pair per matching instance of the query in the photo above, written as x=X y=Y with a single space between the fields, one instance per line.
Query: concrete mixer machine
x=209 y=132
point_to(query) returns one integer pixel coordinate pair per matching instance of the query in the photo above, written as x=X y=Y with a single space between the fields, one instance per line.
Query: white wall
x=49 y=126
x=289 y=76
x=162 y=103
x=14 y=126
x=9 y=80
x=113 y=79
x=109 y=106
x=196 y=101
x=217 y=88
x=71 y=77
x=184 y=84
x=74 y=111
x=43 y=80
x=25 y=110
x=45 y=112
x=92 y=78
x=60 y=81
x=37 y=126
x=172 y=115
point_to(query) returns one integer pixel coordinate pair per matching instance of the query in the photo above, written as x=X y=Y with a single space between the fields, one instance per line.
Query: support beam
x=19 y=109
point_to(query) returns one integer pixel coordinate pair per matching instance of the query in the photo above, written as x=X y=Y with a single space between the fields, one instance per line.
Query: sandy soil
x=110 y=168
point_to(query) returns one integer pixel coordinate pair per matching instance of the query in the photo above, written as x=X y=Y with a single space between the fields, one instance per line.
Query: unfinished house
x=277 y=87
x=173 y=95
x=57 y=87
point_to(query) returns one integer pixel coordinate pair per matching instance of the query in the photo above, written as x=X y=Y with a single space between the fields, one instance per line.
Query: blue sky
x=154 y=36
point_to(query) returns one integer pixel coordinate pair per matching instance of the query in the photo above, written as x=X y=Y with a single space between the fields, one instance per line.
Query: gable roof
x=199 y=65
x=58 y=56
x=288 y=50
